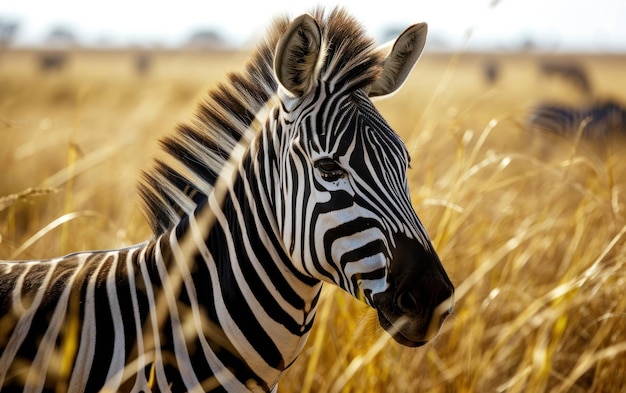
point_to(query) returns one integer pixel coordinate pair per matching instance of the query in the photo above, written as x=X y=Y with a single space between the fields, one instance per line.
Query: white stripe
x=141 y=383
x=152 y=307
x=86 y=351
x=114 y=375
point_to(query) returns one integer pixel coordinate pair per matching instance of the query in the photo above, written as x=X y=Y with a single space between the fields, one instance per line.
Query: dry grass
x=530 y=227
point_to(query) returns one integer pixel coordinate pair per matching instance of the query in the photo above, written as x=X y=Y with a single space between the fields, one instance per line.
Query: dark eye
x=329 y=169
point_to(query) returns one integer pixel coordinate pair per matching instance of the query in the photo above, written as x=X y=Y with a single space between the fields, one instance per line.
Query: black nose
x=421 y=287
x=428 y=296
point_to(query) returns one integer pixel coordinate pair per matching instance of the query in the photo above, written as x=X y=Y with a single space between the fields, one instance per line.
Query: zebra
x=491 y=71
x=570 y=71
x=143 y=62
x=287 y=178
x=596 y=121
x=50 y=61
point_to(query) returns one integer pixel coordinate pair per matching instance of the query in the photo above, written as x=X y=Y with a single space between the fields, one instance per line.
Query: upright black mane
x=197 y=152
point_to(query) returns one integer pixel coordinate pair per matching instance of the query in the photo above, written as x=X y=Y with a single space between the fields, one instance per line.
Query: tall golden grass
x=531 y=227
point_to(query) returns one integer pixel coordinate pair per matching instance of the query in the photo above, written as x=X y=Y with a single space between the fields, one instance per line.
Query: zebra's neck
x=184 y=177
x=241 y=279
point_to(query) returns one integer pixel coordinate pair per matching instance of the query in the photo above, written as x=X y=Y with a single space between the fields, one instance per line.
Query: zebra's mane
x=198 y=150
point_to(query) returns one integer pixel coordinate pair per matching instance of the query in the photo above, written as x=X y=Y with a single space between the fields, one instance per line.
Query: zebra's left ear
x=296 y=62
x=399 y=62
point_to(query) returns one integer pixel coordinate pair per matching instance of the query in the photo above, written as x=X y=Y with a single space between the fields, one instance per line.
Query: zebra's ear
x=399 y=62
x=296 y=62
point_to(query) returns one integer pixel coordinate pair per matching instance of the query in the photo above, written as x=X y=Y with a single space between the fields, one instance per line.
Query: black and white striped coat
x=599 y=120
x=288 y=178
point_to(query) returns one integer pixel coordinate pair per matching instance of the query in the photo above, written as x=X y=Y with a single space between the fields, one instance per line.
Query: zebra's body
x=288 y=178
x=598 y=121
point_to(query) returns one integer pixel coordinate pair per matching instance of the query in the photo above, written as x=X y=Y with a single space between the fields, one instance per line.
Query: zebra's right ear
x=296 y=62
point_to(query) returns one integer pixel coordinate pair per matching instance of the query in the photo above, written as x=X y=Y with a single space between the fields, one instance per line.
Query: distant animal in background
x=596 y=121
x=491 y=71
x=143 y=63
x=569 y=71
x=52 y=61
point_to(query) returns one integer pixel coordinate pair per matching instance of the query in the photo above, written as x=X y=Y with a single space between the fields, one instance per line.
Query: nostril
x=446 y=307
x=406 y=301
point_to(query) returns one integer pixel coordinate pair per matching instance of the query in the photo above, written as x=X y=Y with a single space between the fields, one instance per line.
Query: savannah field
x=530 y=226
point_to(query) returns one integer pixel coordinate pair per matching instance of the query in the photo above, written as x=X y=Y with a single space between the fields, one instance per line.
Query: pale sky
x=556 y=24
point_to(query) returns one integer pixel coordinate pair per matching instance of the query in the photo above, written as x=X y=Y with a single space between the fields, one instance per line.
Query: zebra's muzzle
x=419 y=296
x=415 y=332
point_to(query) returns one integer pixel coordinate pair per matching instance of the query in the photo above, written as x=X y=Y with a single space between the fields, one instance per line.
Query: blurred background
x=554 y=25
x=515 y=118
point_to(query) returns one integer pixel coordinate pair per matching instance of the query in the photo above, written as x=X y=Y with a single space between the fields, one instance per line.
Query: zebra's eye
x=329 y=169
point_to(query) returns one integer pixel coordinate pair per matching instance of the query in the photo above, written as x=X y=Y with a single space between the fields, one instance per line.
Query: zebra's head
x=345 y=214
